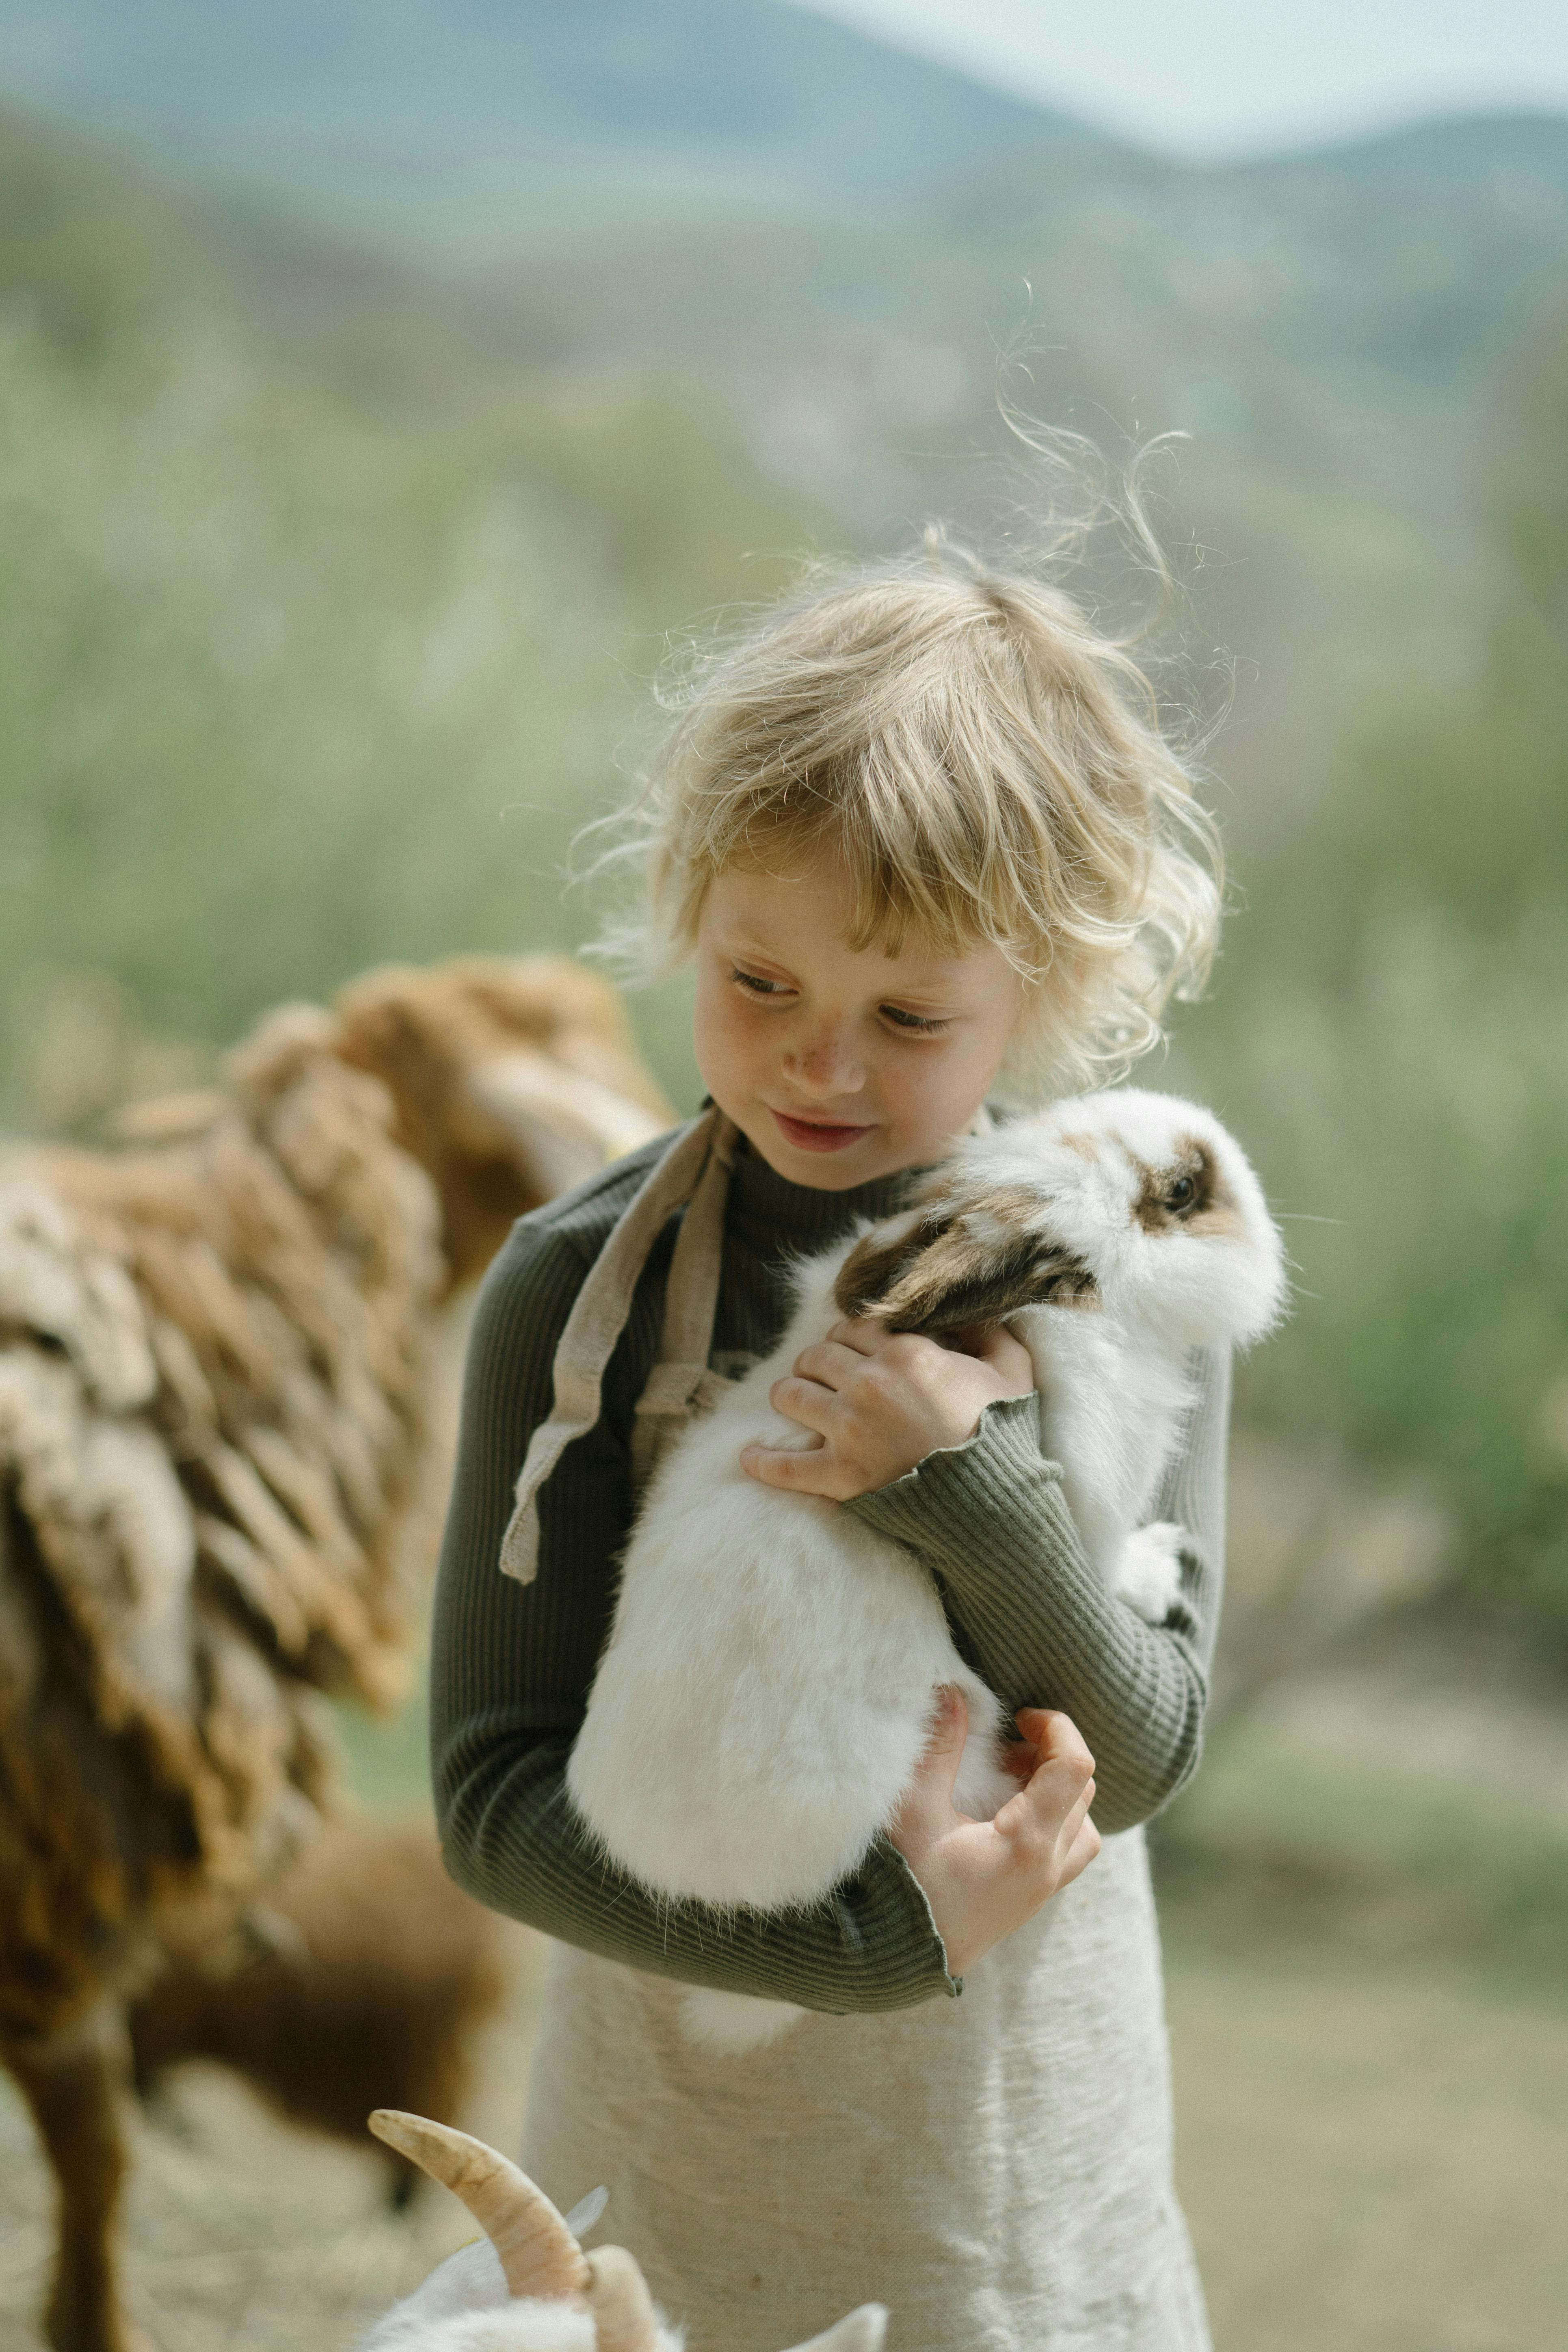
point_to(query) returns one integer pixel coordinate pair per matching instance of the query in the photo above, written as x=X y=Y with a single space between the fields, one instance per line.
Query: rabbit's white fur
x=768 y=1685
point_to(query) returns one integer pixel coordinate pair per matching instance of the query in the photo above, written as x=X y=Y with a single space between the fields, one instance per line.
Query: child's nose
x=827 y=1061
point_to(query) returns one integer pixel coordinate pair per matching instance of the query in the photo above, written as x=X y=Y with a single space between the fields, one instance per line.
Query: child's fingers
x=1058 y=1796
x=1008 y=1358
x=806 y=1401
x=1042 y=1821
x=827 y=1363
x=1080 y=1853
x=1055 y=1736
x=806 y=1470
x=928 y=1801
x=864 y=1334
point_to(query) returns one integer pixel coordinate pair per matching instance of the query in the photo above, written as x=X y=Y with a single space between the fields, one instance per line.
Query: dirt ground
x=1371 y=2162
x=1365 y=1911
x=244 y=2234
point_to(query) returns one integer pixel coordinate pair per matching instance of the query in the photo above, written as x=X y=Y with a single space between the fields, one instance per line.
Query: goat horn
x=620 y=2303
x=859 y=2331
x=538 y=2253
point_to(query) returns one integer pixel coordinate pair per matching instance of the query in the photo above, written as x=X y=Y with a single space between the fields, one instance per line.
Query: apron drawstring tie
x=694 y=1173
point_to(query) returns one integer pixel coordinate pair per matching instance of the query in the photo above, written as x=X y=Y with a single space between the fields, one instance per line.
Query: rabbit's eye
x=1181 y=1195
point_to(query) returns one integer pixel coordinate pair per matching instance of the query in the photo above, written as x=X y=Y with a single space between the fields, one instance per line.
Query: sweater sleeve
x=512 y=1668
x=990 y=1521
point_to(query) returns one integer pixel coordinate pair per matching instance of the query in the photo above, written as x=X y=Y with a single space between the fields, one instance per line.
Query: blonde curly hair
x=984 y=763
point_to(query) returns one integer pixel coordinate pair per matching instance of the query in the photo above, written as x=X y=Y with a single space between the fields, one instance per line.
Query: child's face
x=841 y=1064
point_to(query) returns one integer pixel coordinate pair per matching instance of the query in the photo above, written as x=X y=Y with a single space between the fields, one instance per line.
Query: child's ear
x=945 y=1270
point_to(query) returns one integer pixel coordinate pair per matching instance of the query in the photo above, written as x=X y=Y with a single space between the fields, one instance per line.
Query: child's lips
x=818 y=1134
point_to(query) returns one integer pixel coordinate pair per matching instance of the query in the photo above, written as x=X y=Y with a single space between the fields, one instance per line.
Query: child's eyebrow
x=937 y=977
x=738 y=942
x=928 y=995
x=938 y=983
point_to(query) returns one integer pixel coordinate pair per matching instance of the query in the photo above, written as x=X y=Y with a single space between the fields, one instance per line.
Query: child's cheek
x=939 y=1088
x=718 y=1037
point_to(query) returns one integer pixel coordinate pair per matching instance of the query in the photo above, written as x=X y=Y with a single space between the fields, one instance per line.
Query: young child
x=924 y=840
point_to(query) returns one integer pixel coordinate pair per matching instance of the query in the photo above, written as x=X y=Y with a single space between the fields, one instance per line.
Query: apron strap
x=681 y=1386
x=599 y=1312
x=680 y=1379
x=694 y=1172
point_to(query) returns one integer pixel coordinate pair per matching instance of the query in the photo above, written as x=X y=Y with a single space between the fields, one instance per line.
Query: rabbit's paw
x=1148 y=1575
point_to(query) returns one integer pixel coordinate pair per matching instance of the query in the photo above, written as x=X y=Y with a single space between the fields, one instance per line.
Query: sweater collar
x=769 y=1215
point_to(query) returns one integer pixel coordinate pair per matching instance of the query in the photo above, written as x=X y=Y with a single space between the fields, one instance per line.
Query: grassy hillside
x=298 y=677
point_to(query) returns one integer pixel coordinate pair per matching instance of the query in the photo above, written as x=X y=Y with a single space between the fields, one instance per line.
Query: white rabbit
x=768 y=1685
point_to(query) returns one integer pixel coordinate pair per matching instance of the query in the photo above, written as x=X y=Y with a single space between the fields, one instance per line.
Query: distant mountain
x=444 y=115
x=1410 y=249
x=727 y=183
x=1324 y=318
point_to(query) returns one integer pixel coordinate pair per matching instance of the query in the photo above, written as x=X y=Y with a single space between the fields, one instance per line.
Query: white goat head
x=532 y=2288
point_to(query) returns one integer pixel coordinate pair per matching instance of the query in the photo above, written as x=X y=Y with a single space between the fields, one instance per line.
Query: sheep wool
x=216 y=1346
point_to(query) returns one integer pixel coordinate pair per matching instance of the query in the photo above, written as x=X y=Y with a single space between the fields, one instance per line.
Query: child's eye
x=755 y=985
x=920 y=1023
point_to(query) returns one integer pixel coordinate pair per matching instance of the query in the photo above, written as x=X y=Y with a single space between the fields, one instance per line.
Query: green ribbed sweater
x=512 y=1664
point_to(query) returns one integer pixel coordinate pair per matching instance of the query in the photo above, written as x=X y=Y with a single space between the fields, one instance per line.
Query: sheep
x=359 y=1979
x=527 y=2285
x=773 y=1664
x=214 y=1352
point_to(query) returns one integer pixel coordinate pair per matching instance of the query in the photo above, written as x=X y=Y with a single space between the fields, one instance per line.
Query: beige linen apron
x=995 y=2168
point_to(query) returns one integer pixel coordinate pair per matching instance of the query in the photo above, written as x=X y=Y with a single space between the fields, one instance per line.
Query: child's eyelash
x=917 y=1025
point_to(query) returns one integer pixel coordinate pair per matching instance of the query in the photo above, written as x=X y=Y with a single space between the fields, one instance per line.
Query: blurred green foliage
x=313 y=660
x=297 y=679
x=1280 y=1846
x=1391 y=1033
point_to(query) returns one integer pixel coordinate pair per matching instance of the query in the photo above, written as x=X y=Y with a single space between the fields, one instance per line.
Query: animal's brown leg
x=73 y=2087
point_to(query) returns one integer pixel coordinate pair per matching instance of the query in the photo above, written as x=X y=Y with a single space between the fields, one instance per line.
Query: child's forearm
x=991 y=1523
x=511 y=1839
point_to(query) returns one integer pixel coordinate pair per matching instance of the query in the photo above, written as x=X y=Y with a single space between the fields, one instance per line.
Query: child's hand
x=982 y=1879
x=882 y=1400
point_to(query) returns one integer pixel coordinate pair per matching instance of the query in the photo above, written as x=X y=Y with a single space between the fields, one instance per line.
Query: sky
x=1228 y=77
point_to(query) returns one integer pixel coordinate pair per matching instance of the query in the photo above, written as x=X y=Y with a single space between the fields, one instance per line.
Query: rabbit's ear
x=947 y=1270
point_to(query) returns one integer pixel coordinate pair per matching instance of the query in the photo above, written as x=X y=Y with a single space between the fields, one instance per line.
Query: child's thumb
x=926 y=1808
x=938 y=1767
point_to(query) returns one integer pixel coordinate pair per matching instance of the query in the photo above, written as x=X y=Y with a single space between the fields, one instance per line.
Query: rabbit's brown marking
x=958 y=1267
x=1084 y=1145
x=1188 y=1191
